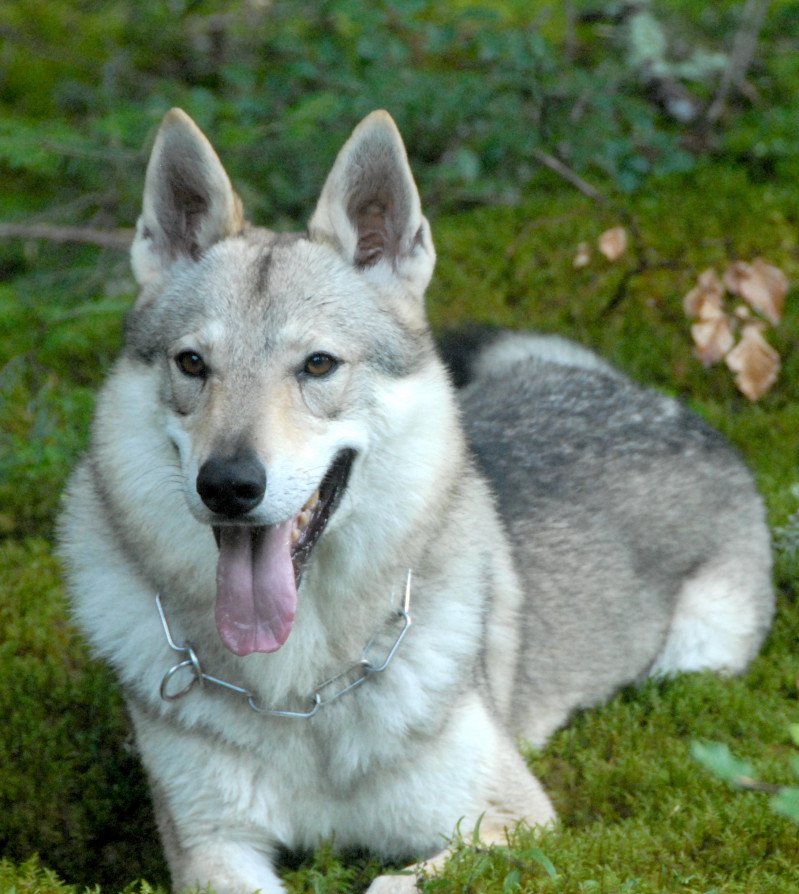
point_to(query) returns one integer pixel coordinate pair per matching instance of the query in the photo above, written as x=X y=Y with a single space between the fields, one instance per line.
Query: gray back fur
x=614 y=496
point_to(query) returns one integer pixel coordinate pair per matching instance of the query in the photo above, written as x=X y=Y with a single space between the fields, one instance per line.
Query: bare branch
x=118 y=240
x=554 y=164
x=743 y=52
x=639 y=250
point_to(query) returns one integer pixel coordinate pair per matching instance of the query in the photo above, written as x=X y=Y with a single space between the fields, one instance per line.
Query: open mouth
x=311 y=520
x=260 y=567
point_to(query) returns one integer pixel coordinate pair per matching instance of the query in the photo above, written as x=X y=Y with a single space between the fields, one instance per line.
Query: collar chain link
x=349 y=679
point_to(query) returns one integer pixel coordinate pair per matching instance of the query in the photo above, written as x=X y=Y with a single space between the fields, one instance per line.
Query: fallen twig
x=754 y=785
x=562 y=170
x=118 y=240
x=643 y=260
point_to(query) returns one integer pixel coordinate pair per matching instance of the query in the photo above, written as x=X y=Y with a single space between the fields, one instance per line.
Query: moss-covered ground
x=637 y=813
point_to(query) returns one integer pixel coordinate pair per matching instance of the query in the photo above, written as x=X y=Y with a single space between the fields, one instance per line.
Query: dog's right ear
x=188 y=203
x=370 y=212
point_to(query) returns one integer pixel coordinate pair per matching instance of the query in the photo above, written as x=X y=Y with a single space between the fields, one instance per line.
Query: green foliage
x=324 y=872
x=718 y=758
x=31 y=877
x=720 y=761
x=51 y=357
x=476 y=89
x=474 y=867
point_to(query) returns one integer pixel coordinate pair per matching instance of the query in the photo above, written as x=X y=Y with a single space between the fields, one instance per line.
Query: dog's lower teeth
x=301 y=522
x=303 y=518
x=310 y=502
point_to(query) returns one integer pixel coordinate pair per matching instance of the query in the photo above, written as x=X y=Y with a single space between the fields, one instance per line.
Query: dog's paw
x=394 y=884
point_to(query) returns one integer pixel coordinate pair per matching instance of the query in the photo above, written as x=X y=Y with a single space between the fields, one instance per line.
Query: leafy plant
x=722 y=763
x=477 y=91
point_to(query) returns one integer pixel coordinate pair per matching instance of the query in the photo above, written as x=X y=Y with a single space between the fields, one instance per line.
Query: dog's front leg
x=408 y=880
x=213 y=818
x=509 y=794
x=224 y=867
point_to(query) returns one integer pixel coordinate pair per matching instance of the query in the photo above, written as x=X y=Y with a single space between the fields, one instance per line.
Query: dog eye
x=318 y=365
x=191 y=364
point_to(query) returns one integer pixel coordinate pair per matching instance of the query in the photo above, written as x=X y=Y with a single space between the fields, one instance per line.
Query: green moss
x=637 y=814
x=70 y=788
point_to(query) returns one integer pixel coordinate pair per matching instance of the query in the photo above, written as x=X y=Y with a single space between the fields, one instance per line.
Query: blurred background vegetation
x=531 y=127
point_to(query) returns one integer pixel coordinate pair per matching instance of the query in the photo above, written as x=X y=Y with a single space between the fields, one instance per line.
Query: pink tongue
x=256 y=594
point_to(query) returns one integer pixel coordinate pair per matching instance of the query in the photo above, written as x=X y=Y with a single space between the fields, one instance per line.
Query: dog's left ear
x=188 y=202
x=370 y=211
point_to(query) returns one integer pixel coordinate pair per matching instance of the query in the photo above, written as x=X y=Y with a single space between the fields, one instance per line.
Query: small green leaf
x=722 y=763
x=476 y=831
x=512 y=881
x=538 y=856
x=786 y=804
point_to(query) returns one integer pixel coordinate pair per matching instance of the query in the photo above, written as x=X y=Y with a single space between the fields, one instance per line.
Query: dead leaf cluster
x=730 y=313
x=736 y=336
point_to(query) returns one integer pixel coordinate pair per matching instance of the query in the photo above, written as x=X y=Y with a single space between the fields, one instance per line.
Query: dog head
x=283 y=359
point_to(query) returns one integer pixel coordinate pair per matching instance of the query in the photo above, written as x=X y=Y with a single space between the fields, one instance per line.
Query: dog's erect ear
x=188 y=204
x=369 y=209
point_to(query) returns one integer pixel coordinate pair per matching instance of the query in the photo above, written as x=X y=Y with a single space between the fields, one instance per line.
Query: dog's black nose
x=233 y=485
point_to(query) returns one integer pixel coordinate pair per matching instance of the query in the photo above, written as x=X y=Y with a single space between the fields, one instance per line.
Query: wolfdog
x=335 y=588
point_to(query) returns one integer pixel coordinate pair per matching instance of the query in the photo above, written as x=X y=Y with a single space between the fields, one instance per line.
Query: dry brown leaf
x=712 y=336
x=613 y=243
x=762 y=285
x=583 y=256
x=755 y=363
x=709 y=290
x=711 y=307
x=777 y=286
x=734 y=274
